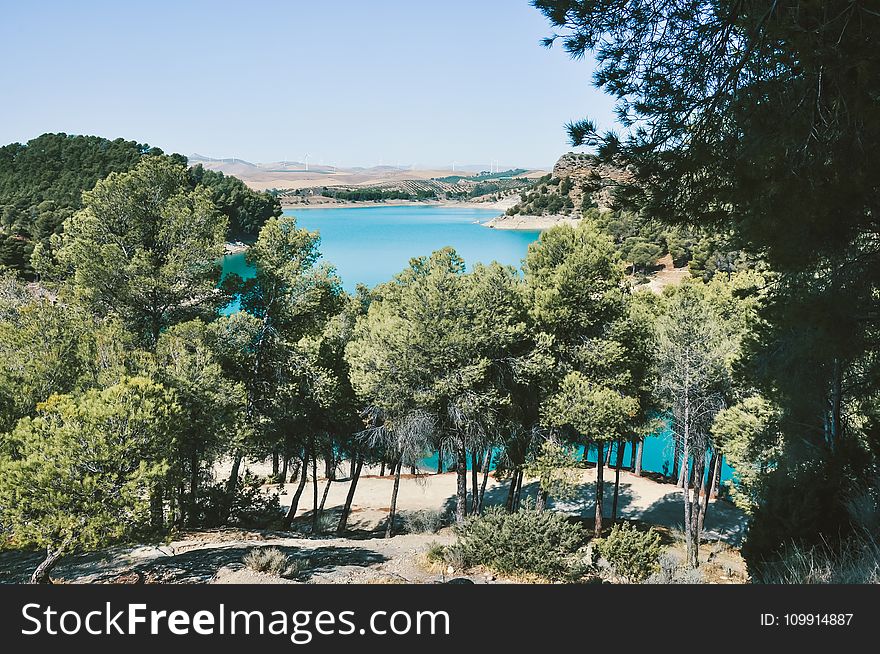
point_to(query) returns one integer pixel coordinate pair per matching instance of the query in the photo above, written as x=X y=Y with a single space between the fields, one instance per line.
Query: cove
x=369 y=245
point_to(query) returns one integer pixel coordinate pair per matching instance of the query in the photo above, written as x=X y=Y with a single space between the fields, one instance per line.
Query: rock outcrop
x=588 y=175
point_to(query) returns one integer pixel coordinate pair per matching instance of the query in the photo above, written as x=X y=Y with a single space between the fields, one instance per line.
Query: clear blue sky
x=350 y=82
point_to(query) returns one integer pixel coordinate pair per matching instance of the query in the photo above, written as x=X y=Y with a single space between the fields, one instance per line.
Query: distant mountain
x=290 y=175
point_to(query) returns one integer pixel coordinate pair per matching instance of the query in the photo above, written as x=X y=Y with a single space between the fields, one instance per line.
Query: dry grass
x=269 y=560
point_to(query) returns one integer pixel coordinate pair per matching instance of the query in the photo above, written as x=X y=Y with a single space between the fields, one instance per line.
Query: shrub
x=252 y=507
x=327 y=523
x=422 y=522
x=526 y=542
x=673 y=571
x=269 y=560
x=436 y=553
x=631 y=553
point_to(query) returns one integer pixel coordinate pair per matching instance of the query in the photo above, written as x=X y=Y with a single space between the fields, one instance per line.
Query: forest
x=751 y=129
x=42 y=181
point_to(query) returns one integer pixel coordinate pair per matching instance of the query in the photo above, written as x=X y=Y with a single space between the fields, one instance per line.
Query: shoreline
x=234 y=247
x=529 y=223
x=451 y=204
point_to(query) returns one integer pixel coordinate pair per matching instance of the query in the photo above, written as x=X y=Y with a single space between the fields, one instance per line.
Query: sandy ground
x=529 y=222
x=668 y=275
x=364 y=556
x=641 y=498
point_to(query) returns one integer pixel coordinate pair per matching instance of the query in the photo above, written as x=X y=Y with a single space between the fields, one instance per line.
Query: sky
x=347 y=82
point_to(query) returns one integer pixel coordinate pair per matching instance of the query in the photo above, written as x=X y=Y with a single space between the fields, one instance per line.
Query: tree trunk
x=275 y=464
x=487 y=462
x=716 y=486
x=314 y=490
x=285 y=466
x=324 y=496
x=600 y=481
x=617 y=481
x=683 y=482
x=632 y=454
x=231 y=485
x=461 y=484
x=608 y=456
x=193 y=510
x=330 y=463
x=440 y=459
x=640 y=443
x=714 y=469
x=389 y=526
x=675 y=460
x=475 y=493
x=351 y=466
x=382 y=470
x=181 y=506
x=510 y=491
x=696 y=512
x=346 y=510
x=836 y=402
x=517 y=497
x=294 y=503
x=41 y=574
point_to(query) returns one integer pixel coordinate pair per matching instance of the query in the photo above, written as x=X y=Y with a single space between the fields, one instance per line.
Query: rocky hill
x=578 y=182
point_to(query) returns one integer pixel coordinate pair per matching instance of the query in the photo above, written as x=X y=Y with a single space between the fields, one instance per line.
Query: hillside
x=42 y=182
x=298 y=183
x=578 y=182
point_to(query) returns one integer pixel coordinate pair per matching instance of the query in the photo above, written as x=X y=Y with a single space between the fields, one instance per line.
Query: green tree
x=555 y=467
x=289 y=298
x=699 y=338
x=245 y=209
x=77 y=476
x=41 y=185
x=749 y=435
x=580 y=300
x=431 y=344
x=211 y=406
x=48 y=348
x=786 y=91
x=146 y=248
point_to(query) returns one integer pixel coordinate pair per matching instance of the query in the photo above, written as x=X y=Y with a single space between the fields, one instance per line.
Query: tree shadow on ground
x=200 y=566
x=196 y=566
x=724 y=521
x=582 y=502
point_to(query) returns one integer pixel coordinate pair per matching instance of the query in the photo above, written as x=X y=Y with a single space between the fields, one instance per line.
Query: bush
x=631 y=553
x=527 y=542
x=422 y=522
x=252 y=507
x=436 y=553
x=327 y=523
x=269 y=560
x=673 y=571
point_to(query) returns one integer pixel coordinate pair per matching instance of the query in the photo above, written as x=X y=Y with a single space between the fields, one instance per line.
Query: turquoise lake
x=369 y=245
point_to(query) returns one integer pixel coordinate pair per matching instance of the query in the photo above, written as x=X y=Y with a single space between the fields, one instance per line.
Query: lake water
x=369 y=245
